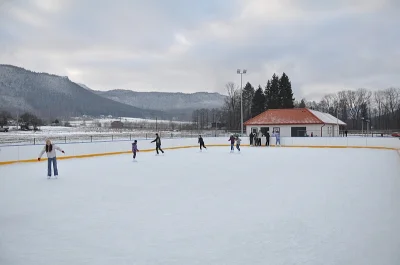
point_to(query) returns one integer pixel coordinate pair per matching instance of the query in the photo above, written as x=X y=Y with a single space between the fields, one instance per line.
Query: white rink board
x=27 y=152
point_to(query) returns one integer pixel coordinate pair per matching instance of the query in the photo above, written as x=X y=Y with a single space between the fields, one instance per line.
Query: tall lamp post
x=362 y=126
x=241 y=73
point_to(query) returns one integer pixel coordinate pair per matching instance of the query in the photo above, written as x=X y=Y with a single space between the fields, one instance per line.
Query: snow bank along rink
x=262 y=206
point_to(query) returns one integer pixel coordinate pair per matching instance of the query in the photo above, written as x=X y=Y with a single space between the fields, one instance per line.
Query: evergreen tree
x=258 y=104
x=274 y=101
x=285 y=93
x=267 y=95
x=248 y=94
x=302 y=103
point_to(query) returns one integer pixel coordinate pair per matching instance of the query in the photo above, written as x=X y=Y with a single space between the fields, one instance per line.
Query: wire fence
x=23 y=139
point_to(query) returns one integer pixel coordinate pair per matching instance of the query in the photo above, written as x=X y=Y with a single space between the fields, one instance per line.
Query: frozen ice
x=265 y=206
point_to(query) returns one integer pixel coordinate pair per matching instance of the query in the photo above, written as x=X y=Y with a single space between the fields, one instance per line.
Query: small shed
x=295 y=123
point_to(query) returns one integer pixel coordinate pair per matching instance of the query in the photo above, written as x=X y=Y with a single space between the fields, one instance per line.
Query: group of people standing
x=255 y=138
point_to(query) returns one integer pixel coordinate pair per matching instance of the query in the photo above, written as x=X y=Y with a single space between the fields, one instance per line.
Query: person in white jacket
x=50 y=150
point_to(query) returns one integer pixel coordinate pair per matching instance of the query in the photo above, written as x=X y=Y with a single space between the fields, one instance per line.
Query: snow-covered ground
x=263 y=206
x=61 y=134
x=107 y=121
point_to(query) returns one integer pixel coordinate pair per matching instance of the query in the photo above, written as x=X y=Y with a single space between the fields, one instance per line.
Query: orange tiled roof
x=285 y=117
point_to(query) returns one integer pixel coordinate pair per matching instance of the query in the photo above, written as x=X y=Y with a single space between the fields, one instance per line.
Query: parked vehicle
x=396 y=134
x=3 y=129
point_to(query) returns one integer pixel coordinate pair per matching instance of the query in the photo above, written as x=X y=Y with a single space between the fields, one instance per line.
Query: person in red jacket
x=232 y=139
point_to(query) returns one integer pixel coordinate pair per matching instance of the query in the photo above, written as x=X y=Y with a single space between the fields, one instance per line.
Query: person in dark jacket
x=251 y=138
x=232 y=139
x=134 y=149
x=201 y=142
x=158 y=143
x=267 y=136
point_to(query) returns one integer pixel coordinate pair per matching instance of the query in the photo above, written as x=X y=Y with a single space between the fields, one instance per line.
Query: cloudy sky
x=189 y=46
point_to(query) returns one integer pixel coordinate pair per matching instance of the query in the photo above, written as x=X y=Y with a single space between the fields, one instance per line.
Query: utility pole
x=241 y=73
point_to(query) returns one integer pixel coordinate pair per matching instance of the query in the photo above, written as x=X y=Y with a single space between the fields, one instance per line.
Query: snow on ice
x=263 y=206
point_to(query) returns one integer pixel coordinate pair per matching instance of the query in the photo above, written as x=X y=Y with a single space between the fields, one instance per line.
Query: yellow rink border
x=193 y=146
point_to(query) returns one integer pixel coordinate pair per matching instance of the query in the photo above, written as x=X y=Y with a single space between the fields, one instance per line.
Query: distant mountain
x=178 y=105
x=54 y=96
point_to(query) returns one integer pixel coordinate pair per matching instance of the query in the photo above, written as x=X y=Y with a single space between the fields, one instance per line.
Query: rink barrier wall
x=29 y=153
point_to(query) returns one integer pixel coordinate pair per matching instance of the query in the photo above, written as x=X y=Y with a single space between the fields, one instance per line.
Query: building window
x=299 y=131
x=264 y=130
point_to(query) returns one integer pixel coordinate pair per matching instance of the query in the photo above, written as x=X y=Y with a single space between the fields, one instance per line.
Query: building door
x=264 y=130
x=299 y=131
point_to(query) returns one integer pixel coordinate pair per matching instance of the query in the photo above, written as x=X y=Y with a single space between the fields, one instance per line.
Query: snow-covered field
x=107 y=121
x=61 y=134
x=263 y=206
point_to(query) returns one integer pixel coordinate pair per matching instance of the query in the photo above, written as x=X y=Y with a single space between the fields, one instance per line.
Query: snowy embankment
x=29 y=152
x=87 y=133
x=297 y=206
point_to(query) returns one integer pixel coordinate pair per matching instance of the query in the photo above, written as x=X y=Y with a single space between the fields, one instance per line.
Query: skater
x=255 y=140
x=251 y=138
x=278 y=138
x=238 y=140
x=158 y=143
x=50 y=150
x=232 y=139
x=201 y=142
x=267 y=136
x=134 y=149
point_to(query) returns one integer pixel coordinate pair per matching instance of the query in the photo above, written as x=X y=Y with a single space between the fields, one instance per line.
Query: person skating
x=158 y=144
x=232 y=139
x=251 y=138
x=267 y=136
x=238 y=140
x=201 y=142
x=50 y=150
x=134 y=149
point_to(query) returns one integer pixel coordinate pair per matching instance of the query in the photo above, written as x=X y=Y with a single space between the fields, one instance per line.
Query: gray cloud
x=197 y=46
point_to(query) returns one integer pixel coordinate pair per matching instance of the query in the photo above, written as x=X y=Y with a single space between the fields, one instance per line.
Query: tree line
x=25 y=120
x=276 y=94
x=380 y=110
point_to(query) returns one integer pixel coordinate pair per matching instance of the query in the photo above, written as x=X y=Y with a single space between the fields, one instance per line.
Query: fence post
x=91 y=138
x=112 y=137
x=34 y=141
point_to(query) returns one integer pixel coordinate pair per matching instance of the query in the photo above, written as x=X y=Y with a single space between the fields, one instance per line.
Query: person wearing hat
x=201 y=142
x=50 y=150
x=158 y=143
x=134 y=149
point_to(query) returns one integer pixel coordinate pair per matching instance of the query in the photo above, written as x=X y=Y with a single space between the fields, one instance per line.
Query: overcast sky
x=189 y=46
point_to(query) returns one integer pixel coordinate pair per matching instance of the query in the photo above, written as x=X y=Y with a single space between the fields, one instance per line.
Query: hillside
x=54 y=96
x=178 y=105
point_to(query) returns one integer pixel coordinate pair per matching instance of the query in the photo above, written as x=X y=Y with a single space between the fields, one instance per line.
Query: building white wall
x=29 y=152
x=286 y=130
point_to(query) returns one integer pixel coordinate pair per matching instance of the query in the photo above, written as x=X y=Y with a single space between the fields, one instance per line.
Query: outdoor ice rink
x=264 y=206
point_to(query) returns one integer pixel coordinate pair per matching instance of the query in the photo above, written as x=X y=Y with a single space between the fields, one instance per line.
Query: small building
x=295 y=123
x=117 y=125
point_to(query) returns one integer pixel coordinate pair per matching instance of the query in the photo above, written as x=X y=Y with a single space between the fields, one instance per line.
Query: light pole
x=241 y=73
x=362 y=126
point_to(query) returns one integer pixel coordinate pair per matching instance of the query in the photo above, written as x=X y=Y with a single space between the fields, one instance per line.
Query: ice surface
x=263 y=206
